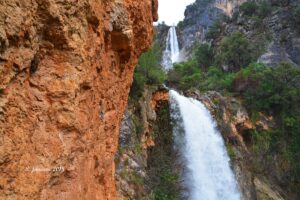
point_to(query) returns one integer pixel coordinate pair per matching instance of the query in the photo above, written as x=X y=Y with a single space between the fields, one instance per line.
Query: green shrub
x=136 y=179
x=277 y=91
x=215 y=30
x=261 y=142
x=147 y=72
x=277 y=88
x=264 y=8
x=159 y=195
x=230 y=151
x=169 y=177
x=249 y=8
x=216 y=79
x=258 y=22
x=185 y=75
x=236 y=52
x=203 y=54
x=191 y=81
x=162 y=159
x=261 y=9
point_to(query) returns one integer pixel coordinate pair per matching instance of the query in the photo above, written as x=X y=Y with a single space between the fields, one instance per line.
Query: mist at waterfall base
x=207 y=173
x=171 y=54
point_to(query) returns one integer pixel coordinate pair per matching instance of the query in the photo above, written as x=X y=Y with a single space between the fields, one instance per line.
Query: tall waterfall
x=207 y=173
x=171 y=53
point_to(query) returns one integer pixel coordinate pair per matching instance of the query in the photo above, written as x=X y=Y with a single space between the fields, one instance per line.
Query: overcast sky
x=172 y=11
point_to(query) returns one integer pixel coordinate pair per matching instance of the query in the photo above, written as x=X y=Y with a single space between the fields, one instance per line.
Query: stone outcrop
x=276 y=34
x=228 y=6
x=135 y=139
x=264 y=191
x=162 y=94
x=199 y=17
x=65 y=71
x=285 y=43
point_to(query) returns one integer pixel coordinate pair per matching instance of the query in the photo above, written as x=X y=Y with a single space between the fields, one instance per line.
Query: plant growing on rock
x=236 y=52
x=297 y=19
x=203 y=54
x=249 y=8
x=147 y=72
x=215 y=30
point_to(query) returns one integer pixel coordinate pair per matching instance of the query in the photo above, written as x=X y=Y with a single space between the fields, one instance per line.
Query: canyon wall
x=65 y=71
x=142 y=153
x=274 y=28
x=199 y=17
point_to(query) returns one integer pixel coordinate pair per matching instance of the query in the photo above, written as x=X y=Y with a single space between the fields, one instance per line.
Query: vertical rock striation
x=65 y=71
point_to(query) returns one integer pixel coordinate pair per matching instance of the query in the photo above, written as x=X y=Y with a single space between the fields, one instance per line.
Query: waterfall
x=171 y=53
x=207 y=174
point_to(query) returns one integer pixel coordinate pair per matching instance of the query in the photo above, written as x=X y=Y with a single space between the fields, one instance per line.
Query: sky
x=172 y=11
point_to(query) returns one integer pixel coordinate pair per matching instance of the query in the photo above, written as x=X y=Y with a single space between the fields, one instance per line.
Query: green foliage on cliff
x=274 y=90
x=204 y=55
x=216 y=79
x=265 y=8
x=277 y=88
x=236 y=51
x=147 y=72
x=260 y=9
x=162 y=170
x=185 y=75
x=297 y=19
x=277 y=91
x=215 y=30
x=249 y=8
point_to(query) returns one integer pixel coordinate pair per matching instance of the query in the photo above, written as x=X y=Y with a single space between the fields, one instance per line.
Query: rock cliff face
x=276 y=32
x=65 y=71
x=199 y=17
x=137 y=137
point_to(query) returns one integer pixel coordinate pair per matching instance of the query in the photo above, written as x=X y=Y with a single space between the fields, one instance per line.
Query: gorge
x=224 y=45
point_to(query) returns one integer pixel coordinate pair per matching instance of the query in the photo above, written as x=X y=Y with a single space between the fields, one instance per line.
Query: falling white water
x=208 y=175
x=171 y=53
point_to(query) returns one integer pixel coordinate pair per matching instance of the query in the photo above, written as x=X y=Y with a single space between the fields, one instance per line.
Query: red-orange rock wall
x=65 y=72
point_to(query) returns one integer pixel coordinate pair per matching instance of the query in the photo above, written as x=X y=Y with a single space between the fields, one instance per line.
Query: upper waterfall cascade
x=171 y=53
x=207 y=174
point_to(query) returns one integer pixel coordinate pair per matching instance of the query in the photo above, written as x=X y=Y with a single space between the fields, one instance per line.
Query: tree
x=148 y=71
x=236 y=51
x=249 y=8
x=185 y=75
x=215 y=30
x=204 y=56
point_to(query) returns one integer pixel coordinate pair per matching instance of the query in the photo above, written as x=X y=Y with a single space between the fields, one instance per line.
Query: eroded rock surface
x=65 y=71
x=137 y=137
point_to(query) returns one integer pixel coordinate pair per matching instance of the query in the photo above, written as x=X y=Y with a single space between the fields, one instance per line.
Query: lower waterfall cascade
x=207 y=173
